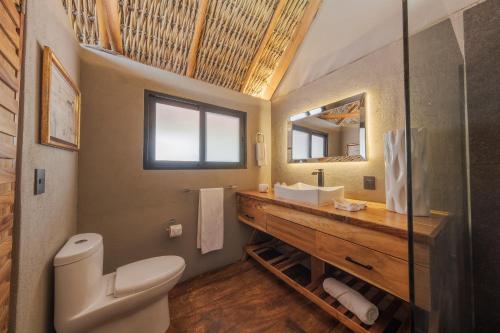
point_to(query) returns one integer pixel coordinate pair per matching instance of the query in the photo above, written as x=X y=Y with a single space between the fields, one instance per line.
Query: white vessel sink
x=309 y=194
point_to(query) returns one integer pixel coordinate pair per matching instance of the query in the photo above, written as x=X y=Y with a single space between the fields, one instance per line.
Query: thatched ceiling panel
x=83 y=18
x=276 y=46
x=245 y=45
x=233 y=32
x=158 y=32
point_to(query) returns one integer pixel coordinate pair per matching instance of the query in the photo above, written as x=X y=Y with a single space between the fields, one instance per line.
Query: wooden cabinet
x=251 y=213
x=301 y=237
x=379 y=269
x=370 y=245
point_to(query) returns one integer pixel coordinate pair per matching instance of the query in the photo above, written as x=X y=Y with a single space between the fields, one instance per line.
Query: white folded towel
x=365 y=310
x=348 y=205
x=210 y=220
x=260 y=154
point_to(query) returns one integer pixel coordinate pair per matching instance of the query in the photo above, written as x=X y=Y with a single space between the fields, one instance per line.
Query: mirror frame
x=362 y=131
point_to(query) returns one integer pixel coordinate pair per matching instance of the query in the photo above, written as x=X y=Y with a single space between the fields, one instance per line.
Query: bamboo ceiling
x=244 y=45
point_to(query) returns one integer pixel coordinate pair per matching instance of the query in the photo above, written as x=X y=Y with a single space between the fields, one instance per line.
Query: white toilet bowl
x=133 y=299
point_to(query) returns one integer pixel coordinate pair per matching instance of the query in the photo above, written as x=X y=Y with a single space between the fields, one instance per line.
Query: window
x=185 y=134
x=308 y=143
x=318 y=144
x=300 y=145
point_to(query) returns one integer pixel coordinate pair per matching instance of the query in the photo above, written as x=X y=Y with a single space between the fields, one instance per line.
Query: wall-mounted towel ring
x=259 y=137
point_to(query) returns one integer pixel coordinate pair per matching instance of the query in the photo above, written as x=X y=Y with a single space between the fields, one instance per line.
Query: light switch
x=369 y=182
x=39 y=181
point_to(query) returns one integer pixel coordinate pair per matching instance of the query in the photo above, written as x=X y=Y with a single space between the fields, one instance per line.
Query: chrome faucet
x=321 y=176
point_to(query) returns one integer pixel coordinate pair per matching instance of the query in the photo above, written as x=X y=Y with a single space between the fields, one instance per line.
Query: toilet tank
x=78 y=275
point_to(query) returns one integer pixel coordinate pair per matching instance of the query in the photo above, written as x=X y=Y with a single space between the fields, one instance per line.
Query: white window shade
x=177 y=134
x=317 y=146
x=300 y=142
x=222 y=138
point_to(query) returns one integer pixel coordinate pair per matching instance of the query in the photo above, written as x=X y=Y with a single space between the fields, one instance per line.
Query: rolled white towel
x=365 y=310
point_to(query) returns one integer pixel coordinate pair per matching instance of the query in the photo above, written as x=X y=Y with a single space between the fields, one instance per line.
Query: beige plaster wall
x=348 y=135
x=130 y=206
x=380 y=75
x=43 y=222
x=334 y=145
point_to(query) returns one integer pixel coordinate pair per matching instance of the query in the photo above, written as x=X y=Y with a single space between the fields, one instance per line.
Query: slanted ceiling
x=244 y=45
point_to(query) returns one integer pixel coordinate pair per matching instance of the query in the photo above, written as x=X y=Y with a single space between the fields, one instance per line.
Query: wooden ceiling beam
x=339 y=116
x=102 y=24
x=286 y=59
x=195 y=42
x=263 y=43
x=107 y=13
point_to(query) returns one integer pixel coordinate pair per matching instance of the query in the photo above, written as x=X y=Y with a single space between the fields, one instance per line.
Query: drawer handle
x=249 y=217
x=368 y=267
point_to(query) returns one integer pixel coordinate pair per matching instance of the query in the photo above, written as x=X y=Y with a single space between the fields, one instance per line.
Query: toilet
x=132 y=299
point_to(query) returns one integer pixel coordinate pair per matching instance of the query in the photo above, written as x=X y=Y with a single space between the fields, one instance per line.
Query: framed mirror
x=332 y=133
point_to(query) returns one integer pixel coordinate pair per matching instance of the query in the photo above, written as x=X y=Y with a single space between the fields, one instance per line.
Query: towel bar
x=227 y=187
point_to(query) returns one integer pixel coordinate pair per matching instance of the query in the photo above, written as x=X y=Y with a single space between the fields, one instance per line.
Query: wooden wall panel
x=11 y=43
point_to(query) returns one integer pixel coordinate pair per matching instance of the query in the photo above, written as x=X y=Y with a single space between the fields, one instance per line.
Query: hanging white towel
x=260 y=151
x=210 y=220
x=366 y=311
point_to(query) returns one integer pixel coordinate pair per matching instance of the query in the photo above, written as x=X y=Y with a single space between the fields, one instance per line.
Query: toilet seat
x=145 y=274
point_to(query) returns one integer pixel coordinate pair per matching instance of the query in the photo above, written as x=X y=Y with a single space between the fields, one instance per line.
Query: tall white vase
x=396 y=171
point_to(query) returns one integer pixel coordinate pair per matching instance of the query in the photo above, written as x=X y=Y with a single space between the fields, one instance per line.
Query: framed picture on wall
x=60 y=116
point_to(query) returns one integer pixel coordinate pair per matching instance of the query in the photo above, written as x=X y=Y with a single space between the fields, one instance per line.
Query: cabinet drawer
x=294 y=234
x=384 y=271
x=251 y=213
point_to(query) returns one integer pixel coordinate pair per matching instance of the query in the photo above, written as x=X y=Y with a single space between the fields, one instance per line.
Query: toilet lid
x=144 y=274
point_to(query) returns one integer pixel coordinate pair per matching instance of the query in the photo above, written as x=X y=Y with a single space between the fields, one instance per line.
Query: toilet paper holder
x=170 y=223
x=173 y=233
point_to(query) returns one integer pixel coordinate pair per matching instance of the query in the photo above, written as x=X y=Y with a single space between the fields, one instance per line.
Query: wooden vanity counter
x=375 y=217
x=370 y=244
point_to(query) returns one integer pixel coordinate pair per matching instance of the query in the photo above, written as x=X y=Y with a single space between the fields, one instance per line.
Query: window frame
x=310 y=133
x=149 y=162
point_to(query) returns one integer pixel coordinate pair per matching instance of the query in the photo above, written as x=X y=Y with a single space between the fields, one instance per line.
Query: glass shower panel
x=437 y=117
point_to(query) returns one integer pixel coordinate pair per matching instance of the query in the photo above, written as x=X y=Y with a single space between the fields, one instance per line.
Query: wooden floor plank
x=244 y=297
x=386 y=317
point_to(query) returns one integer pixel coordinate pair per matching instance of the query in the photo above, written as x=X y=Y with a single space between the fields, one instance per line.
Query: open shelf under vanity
x=294 y=267
x=367 y=250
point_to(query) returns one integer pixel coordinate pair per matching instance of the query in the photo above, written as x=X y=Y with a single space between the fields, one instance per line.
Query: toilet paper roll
x=175 y=230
